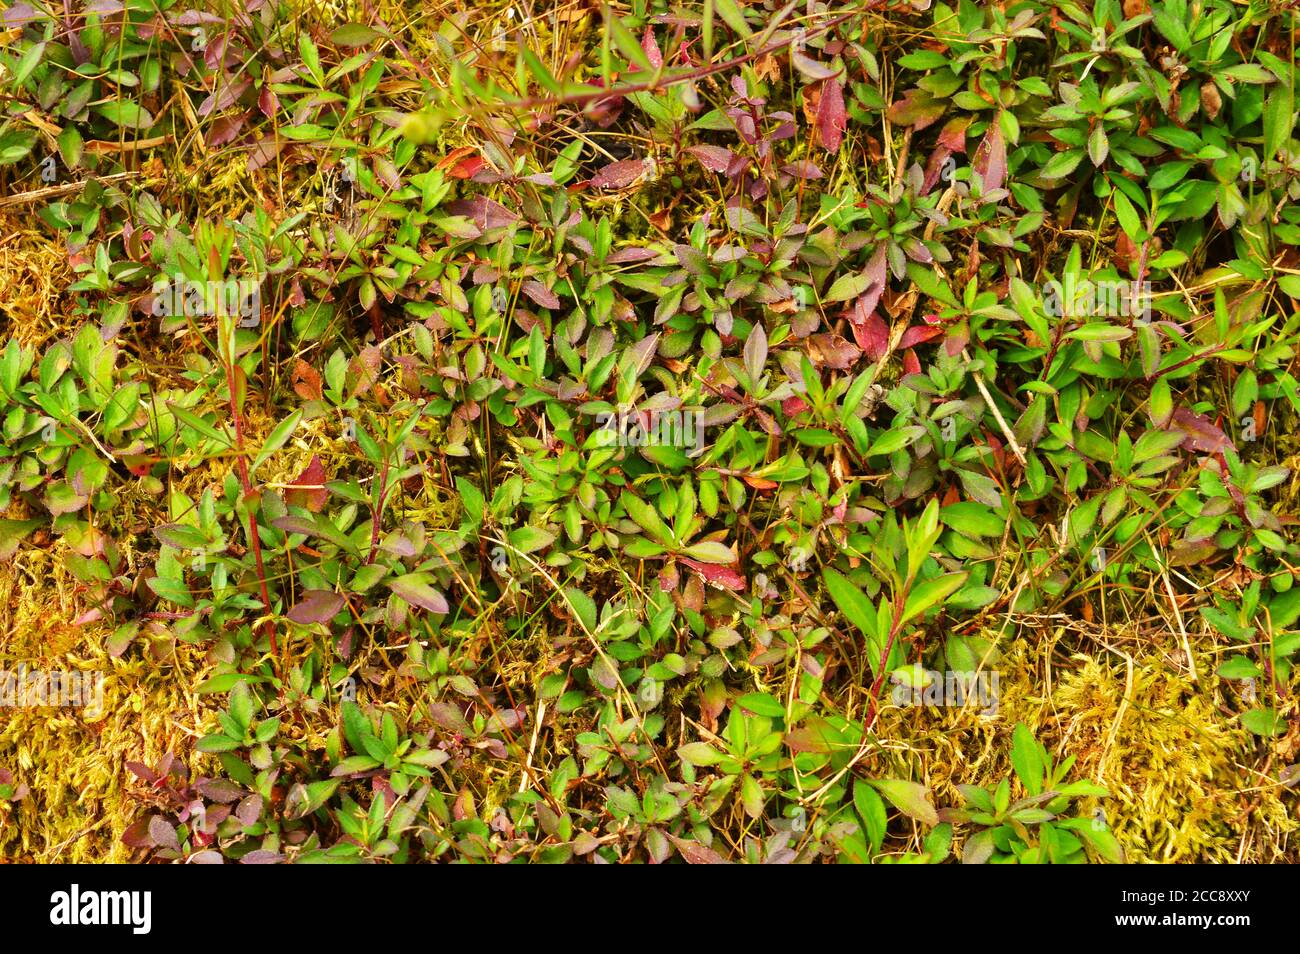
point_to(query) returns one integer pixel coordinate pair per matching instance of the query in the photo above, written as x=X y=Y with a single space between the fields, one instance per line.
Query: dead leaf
x=306 y=381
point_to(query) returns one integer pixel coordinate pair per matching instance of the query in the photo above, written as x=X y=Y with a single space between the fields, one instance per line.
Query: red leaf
x=831 y=118
x=871 y=333
x=363 y=370
x=651 y=48
x=268 y=102
x=917 y=334
x=713 y=158
x=467 y=168
x=306 y=381
x=953 y=134
x=717 y=574
x=307 y=489
x=793 y=405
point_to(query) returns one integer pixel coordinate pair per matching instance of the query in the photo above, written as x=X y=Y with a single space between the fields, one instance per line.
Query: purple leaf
x=713 y=158
x=316 y=606
x=483 y=212
x=163 y=834
x=619 y=175
x=991 y=158
x=1202 y=435
x=875 y=272
x=541 y=294
x=261 y=857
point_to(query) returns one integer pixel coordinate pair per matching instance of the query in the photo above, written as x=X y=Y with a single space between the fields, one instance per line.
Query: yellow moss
x=33 y=273
x=1186 y=783
x=73 y=759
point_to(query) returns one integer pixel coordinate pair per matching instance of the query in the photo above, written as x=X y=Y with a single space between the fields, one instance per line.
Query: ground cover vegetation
x=643 y=432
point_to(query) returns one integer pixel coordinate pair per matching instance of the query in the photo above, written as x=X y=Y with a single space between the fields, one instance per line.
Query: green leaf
x=192 y=420
x=1128 y=217
x=848 y=286
x=931 y=593
x=12 y=533
x=761 y=703
x=302 y=799
x=541 y=73
x=1061 y=164
x=626 y=42
x=182 y=536
x=530 y=539
x=126 y=113
x=26 y=64
x=583 y=606
x=711 y=551
x=353 y=34
x=871 y=809
x=699 y=753
x=415 y=589
x=910 y=798
x=1263 y=721
x=279 y=436
x=1279 y=119
x=1026 y=759
x=1240 y=667
x=1099 y=838
x=853 y=603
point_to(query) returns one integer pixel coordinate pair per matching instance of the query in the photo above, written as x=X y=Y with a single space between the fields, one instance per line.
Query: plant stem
x=247 y=489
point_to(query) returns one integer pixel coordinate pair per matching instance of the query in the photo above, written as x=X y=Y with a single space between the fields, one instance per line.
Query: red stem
x=247 y=488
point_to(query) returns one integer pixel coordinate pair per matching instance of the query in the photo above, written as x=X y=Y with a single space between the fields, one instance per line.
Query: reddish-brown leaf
x=307 y=489
x=871 y=333
x=830 y=350
x=1202 y=434
x=619 y=175
x=991 y=158
x=306 y=381
x=918 y=334
x=697 y=854
x=917 y=108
